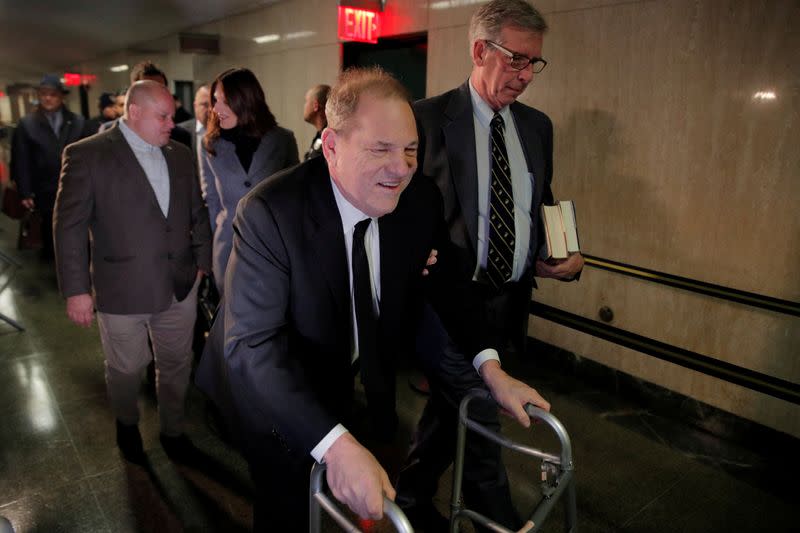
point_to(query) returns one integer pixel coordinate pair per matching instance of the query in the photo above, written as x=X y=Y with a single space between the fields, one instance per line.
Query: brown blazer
x=139 y=259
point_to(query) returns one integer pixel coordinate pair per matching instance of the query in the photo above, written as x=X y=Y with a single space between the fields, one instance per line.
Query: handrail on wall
x=710 y=289
x=757 y=381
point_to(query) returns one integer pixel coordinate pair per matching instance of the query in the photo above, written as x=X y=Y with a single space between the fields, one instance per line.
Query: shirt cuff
x=318 y=453
x=489 y=354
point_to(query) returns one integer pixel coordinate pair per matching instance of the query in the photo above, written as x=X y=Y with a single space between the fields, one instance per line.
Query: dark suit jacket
x=139 y=258
x=36 y=151
x=447 y=156
x=278 y=356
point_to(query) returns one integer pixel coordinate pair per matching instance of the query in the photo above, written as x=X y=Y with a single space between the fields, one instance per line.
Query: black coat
x=278 y=356
x=36 y=151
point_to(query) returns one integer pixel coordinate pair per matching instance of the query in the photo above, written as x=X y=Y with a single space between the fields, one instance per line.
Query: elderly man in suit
x=492 y=159
x=36 y=153
x=135 y=196
x=325 y=278
x=197 y=126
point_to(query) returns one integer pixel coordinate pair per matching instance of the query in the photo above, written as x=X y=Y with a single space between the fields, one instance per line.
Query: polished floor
x=639 y=468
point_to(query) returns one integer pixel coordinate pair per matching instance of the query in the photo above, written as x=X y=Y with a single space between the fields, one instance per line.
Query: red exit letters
x=360 y=25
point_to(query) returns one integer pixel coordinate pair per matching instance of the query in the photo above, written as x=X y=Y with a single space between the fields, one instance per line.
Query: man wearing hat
x=108 y=111
x=36 y=153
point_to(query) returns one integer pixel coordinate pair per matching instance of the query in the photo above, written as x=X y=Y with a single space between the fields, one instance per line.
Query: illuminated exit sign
x=357 y=24
x=73 y=80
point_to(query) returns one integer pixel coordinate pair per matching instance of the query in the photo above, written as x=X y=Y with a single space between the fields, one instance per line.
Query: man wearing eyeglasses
x=492 y=157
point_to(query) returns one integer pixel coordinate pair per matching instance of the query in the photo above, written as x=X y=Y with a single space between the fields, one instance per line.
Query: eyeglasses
x=519 y=61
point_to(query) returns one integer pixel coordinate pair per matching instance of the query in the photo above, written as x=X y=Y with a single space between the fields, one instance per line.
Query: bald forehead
x=146 y=91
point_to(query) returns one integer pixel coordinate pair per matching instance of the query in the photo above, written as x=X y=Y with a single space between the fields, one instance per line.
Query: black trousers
x=485 y=484
x=45 y=202
x=280 y=478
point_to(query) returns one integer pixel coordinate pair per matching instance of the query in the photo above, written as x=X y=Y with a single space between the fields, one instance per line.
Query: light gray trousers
x=124 y=339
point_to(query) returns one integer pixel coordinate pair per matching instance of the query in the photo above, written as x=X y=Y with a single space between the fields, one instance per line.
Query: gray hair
x=488 y=21
x=354 y=83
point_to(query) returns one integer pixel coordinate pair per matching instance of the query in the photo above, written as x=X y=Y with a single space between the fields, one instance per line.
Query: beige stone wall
x=671 y=162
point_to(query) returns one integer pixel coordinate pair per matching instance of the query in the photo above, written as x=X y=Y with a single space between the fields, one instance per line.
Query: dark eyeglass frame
x=519 y=61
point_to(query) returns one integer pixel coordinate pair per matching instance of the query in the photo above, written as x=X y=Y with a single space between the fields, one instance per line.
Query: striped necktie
x=501 y=209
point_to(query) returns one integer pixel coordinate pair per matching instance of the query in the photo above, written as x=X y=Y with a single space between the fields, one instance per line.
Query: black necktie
x=376 y=373
x=362 y=300
x=501 y=210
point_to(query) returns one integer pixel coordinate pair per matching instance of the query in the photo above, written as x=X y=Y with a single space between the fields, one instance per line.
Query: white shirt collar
x=349 y=214
x=133 y=138
x=483 y=112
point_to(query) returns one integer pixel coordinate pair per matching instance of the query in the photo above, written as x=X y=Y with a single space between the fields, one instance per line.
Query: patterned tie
x=501 y=210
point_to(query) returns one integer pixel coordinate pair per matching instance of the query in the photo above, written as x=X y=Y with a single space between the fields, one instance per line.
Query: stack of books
x=561 y=230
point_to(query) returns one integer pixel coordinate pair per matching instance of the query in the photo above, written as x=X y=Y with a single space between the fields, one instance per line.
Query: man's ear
x=329 y=138
x=316 y=106
x=478 y=52
x=134 y=110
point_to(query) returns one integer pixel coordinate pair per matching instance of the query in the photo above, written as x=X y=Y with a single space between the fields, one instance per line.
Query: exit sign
x=357 y=24
x=72 y=79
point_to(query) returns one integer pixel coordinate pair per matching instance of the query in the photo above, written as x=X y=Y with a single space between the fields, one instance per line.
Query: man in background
x=492 y=159
x=107 y=104
x=119 y=103
x=132 y=240
x=181 y=115
x=147 y=70
x=314 y=114
x=36 y=150
x=197 y=125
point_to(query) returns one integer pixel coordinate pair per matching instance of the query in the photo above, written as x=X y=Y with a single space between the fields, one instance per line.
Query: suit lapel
x=44 y=128
x=68 y=122
x=324 y=228
x=392 y=263
x=534 y=157
x=260 y=158
x=459 y=135
x=130 y=165
x=227 y=159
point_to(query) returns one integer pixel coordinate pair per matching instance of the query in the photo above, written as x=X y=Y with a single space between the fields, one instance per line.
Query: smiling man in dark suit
x=325 y=277
x=492 y=158
x=133 y=195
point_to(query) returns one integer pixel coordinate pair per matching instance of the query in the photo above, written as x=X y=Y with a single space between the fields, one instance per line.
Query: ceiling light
x=299 y=34
x=119 y=68
x=764 y=95
x=267 y=38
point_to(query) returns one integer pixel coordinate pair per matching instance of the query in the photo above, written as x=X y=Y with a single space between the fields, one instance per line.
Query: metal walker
x=318 y=500
x=557 y=471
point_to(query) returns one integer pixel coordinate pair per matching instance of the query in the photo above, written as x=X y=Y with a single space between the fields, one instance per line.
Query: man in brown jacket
x=135 y=195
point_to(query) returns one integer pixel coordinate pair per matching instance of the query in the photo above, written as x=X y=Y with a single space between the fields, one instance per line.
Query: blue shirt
x=152 y=160
x=521 y=184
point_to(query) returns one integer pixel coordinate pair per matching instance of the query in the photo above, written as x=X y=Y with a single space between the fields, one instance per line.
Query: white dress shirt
x=521 y=184
x=351 y=216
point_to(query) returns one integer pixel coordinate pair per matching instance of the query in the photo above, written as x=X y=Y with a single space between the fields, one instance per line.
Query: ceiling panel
x=38 y=36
